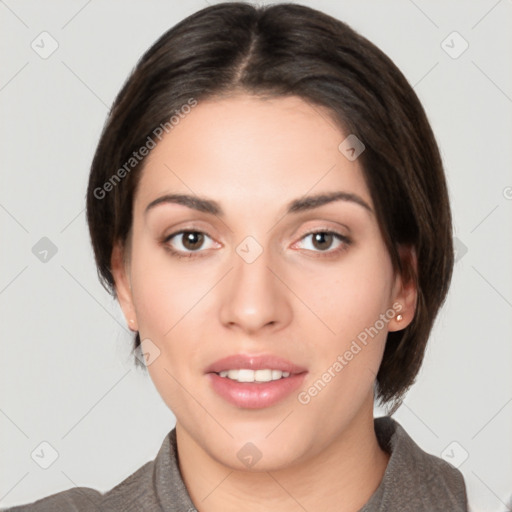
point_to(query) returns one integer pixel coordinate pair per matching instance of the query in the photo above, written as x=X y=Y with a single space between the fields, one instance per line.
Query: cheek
x=167 y=300
x=350 y=296
x=346 y=332
x=163 y=292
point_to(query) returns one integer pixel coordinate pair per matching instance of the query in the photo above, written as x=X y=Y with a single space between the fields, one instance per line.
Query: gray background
x=67 y=375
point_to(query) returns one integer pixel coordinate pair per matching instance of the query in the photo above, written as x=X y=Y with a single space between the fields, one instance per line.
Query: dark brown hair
x=281 y=50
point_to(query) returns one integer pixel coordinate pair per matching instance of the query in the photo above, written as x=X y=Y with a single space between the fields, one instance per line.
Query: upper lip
x=254 y=362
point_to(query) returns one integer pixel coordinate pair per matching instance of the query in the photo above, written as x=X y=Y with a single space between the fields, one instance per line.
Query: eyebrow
x=297 y=205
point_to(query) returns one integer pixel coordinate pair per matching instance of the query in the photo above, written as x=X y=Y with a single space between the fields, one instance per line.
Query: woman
x=268 y=205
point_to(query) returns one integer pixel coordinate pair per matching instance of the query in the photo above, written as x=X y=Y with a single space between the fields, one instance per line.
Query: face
x=250 y=269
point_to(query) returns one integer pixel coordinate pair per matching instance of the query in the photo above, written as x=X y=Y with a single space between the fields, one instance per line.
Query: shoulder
x=79 y=498
x=414 y=479
x=132 y=494
x=136 y=492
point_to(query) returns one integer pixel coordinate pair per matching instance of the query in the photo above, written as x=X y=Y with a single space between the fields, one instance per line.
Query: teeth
x=245 y=375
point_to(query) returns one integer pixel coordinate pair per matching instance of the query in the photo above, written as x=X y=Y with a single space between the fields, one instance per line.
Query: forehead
x=255 y=152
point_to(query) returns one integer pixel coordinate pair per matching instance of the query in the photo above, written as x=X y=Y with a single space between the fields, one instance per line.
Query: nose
x=255 y=296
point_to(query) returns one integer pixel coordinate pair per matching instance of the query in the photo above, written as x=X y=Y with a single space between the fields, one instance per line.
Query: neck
x=342 y=477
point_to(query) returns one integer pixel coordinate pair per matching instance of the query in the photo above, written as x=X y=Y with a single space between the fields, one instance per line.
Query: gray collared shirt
x=413 y=481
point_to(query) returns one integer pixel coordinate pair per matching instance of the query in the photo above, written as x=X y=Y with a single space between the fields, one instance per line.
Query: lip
x=255 y=395
x=254 y=362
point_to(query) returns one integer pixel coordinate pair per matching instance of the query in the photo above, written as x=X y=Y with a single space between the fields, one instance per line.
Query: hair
x=292 y=50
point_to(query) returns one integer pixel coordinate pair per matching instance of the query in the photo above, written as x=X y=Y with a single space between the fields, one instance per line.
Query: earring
x=399 y=318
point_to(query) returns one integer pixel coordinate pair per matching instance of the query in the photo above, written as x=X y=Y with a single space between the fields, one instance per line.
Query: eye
x=322 y=241
x=187 y=242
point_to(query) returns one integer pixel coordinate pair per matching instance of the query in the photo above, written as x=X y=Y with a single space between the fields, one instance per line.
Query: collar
x=413 y=480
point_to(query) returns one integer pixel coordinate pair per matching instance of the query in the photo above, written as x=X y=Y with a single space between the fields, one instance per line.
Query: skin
x=298 y=300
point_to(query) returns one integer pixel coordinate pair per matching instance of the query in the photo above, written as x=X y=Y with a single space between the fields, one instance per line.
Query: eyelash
x=346 y=242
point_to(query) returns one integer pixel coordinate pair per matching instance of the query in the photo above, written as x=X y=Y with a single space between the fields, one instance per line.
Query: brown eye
x=325 y=241
x=187 y=243
x=192 y=240
x=322 y=241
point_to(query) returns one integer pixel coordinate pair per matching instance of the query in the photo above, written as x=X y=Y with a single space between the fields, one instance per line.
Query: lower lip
x=255 y=395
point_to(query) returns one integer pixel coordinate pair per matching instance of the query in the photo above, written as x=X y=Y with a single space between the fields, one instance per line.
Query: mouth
x=254 y=381
x=248 y=375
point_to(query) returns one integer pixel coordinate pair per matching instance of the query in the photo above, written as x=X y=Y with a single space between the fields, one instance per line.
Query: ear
x=120 y=273
x=405 y=291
